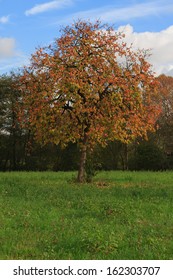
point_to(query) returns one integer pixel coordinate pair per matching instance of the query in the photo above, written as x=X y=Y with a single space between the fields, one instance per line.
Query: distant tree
x=88 y=87
x=165 y=121
x=147 y=156
x=8 y=122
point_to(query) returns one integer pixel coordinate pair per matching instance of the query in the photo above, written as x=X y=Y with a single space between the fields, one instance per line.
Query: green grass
x=121 y=215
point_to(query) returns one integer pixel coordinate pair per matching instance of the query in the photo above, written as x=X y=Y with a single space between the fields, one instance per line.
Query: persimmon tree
x=88 y=87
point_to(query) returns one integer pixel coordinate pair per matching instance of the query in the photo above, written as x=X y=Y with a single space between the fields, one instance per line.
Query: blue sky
x=25 y=25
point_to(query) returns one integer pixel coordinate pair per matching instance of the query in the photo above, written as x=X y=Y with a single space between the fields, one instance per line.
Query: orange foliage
x=88 y=87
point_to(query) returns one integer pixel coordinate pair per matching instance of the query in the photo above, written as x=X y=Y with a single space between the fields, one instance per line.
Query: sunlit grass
x=121 y=215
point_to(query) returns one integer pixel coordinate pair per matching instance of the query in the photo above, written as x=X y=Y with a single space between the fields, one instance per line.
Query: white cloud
x=137 y=11
x=10 y=58
x=160 y=44
x=13 y=63
x=40 y=8
x=4 y=19
x=7 y=47
x=114 y=14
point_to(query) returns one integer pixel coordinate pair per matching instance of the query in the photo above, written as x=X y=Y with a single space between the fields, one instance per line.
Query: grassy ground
x=122 y=215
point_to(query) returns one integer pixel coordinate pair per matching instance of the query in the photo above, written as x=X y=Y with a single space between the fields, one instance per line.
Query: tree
x=88 y=87
x=147 y=156
x=165 y=120
x=9 y=129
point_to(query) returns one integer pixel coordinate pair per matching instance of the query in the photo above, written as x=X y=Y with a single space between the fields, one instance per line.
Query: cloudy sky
x=25 y=25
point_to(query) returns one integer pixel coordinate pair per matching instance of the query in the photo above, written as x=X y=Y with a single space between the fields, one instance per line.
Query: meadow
x=120 y=215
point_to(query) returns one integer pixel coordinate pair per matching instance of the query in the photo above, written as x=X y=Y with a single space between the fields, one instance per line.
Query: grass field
x=121 y=215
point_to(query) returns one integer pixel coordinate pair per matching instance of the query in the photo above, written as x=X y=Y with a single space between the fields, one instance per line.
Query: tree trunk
x=83 y=155
x=14 y=151
x=126 y=157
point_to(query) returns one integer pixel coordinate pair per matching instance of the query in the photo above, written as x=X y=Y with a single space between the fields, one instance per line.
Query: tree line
x=20 y=151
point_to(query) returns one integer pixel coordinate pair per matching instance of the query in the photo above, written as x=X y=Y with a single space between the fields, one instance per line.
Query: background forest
x=19 y=151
